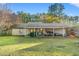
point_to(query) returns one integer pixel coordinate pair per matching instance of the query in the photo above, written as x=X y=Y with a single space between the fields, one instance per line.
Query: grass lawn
x=47 y=46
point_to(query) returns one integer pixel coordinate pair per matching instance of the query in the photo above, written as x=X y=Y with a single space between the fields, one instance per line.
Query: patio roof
x=42 y=25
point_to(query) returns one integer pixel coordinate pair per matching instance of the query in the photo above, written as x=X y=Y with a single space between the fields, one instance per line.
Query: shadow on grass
x=11 y=40
x=9 y=49
x=40 y=51
x=20 y=46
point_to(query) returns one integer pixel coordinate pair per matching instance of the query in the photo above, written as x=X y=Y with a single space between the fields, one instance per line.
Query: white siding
x=76 y=30
x=60 y=31
x=19 y=31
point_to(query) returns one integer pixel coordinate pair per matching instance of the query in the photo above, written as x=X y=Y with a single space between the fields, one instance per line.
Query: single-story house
x=46 y=28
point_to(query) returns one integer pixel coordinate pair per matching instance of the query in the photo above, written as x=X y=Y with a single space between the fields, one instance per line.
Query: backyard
x=45 y=46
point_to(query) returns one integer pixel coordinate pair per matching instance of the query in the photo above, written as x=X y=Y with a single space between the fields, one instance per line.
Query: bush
x=32 y=34
x=35 y=34
x=3 y=33
x=9 y=32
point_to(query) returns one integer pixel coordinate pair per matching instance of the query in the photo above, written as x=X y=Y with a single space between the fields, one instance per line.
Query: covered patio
x=48 y=31
x=52 y=29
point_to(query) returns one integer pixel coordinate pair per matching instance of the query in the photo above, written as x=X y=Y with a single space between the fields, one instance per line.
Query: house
x=46 y=28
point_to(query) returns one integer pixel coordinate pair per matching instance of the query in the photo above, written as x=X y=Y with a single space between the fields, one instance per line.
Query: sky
x=71 y=9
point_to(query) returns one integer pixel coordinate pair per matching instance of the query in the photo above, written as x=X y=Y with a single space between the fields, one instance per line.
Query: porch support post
x=53 y=32
x=34 y=31
x=63 y=31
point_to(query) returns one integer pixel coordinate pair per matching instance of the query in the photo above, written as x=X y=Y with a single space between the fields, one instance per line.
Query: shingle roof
x=42 y=25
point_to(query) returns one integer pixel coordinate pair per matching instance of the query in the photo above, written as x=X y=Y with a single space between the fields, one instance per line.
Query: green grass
x=47 y=46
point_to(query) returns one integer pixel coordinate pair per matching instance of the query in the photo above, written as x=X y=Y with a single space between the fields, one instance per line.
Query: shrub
x=3 y=33
x=32 y=34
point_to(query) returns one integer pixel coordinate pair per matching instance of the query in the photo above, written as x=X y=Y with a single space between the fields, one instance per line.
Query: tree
x=24 y=16
x=36 y=17
x=55 y=13
x=66 y=19
x=50 y=19
x=76 y=18
x=7 y=20
x=56 y=9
